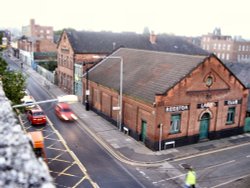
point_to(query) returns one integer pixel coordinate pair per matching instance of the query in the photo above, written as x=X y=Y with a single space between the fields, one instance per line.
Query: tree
x=3 y=66
x=13 y=83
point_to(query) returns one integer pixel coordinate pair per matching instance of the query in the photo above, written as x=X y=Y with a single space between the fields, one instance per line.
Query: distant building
x=78 y=47
x=5 y=38
x=35 y=38
x=37 y=31
x=225 y=47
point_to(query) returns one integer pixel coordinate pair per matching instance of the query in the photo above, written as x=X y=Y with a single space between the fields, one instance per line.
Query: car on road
x=37 y=143
x=36 y=116
x=64 y=112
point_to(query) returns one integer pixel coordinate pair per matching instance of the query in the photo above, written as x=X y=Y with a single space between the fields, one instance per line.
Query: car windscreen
x=38 y=114
x=66 y=110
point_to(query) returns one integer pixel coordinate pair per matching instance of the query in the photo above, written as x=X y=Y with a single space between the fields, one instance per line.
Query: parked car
x=64 y=112
x=27 y=99
x=36 y=116
x=37 y=143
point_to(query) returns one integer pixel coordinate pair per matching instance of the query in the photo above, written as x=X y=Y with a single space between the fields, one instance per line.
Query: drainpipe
x=160 y=137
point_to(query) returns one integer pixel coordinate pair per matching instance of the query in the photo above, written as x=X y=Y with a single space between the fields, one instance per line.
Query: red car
x=36 y=116
x=64 y=112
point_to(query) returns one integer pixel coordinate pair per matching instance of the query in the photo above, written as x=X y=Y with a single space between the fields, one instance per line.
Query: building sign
x=177 y=108
x=207 y=105
x=232 y=102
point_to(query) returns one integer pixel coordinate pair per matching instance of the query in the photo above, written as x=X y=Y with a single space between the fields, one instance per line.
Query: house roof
x=241 y=71
x=107 y=42
x=145 y=73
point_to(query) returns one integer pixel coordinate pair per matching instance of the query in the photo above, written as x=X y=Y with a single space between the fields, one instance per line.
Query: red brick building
x=38 y=31
x=170 y=97
x=226 y=47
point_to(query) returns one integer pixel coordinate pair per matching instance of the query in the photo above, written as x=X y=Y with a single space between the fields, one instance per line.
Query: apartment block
x=38 y=31
x=226 y=47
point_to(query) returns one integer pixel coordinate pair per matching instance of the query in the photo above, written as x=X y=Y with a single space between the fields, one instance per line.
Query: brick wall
x=192 y=92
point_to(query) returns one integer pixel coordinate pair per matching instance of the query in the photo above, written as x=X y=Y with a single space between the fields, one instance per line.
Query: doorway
x=143 y=131
x=204 y=126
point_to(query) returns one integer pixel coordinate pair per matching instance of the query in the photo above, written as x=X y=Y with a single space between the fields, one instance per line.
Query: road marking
x=66 y=169
x=169 y=178
x=53 y=159
x=231 y=181
x=175 y=177
x=80 y=165
x=210 y=152
x=221 y=164
x=248 y=156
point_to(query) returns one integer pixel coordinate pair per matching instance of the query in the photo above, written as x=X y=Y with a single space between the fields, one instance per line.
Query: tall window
x=215 y=45
x=219 y=46
x=230 y=115
x=175 y=123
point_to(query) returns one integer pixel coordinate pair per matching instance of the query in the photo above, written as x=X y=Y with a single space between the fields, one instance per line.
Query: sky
x=179 y=17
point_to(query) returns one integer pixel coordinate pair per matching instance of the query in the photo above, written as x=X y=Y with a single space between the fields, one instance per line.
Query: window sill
x=174 y=133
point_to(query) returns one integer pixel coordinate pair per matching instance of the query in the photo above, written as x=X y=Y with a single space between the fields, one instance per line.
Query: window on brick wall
x=215 y=45
x=175 y=123
x=222 y=56
x=230 y=115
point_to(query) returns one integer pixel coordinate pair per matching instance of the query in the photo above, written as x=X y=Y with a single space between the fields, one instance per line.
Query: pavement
x=127 y=149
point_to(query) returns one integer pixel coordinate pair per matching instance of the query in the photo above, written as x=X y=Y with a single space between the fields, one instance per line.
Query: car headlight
x=64 y=117
x=74 y=116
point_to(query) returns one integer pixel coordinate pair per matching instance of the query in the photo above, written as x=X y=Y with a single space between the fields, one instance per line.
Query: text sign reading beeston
x=177 y=108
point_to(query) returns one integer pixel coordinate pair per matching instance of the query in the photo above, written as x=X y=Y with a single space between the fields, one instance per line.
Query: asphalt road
x=103 y=169
x=220 y=168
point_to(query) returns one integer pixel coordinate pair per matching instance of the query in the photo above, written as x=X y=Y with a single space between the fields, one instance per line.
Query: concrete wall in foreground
x=18 y=165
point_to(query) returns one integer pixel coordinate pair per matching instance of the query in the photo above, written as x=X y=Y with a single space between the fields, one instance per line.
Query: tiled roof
x=145 y=73
x=241 y=71
x=107 y=42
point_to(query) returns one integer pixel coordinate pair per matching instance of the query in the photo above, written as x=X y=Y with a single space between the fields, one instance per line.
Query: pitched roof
x=241 y=71
x=107 y=42
x=145 y=73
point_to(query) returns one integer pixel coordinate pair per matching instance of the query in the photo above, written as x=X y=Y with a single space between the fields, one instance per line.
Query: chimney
x=32 y=22
x=152 y=38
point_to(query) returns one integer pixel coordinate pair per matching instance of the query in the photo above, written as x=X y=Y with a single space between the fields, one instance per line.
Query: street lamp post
x=87 y=91
x=64 y=98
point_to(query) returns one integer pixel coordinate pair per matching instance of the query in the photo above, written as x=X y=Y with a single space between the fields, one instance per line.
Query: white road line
x=199 y=170
x=169 y=178
x=248 y=156
x=221 y=164
x=210 y=152
x=241 y=177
